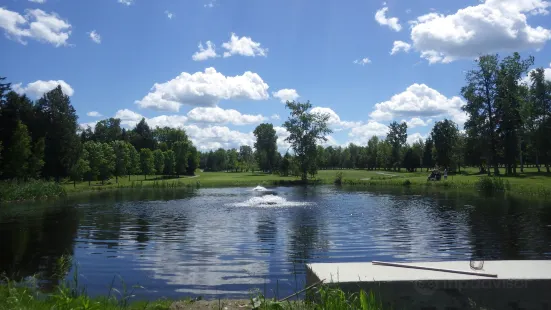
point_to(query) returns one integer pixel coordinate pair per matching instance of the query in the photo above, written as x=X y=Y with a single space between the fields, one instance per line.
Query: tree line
x=42 y=139
x=508 y=126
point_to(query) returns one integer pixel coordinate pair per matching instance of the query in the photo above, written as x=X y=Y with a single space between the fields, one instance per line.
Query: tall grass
x=15 y=191
x=492 y=184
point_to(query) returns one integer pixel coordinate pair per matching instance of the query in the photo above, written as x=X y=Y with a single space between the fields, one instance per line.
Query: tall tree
x=147 y=162
x=372 y=152
x=246 y=158
x=58 y=120
x=36 y=160
x=265 y=145
x=481 y=108
x=233 y=163
x=142 y=136
x=193 y=159
x=444 y=134
x=4 y=89
x=427 y=154
x=122 y=158
x=93 y=154
x=169 y=136
x=18 y=152
x=108 y=130
x=397 y=137
x=134 y=164
x=537 y=112
x=181 y=150
x=159 y=159
x=305 y=129
x=107 y=166
x=170 y=162
x=79 y=169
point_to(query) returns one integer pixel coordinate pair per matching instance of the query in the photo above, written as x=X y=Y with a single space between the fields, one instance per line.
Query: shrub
x=338 y=178
x=14 y=191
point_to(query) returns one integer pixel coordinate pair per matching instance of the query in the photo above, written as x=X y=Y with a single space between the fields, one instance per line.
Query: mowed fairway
x=529 y=181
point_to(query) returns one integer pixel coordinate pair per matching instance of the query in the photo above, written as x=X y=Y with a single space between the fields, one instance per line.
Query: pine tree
x=17 y=154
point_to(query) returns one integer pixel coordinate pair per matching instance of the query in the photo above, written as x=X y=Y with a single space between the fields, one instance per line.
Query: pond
x=224 y=242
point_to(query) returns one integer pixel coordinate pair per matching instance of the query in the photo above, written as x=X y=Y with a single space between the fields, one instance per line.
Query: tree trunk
x=520 y=157
x=129 y=177
x=538 y=161
x=74 y=184
x=117 y=179
x=145 y=176
x=88 y=182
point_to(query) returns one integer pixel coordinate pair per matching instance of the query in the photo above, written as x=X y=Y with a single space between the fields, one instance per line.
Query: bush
x=14 y=191
x=338 y=178
x=492 y=184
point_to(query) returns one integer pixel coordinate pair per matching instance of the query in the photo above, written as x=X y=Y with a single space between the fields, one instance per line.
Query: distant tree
x=159 y=159
x=36 y=160
x=233 y=163
x=93 y=154
x=384 y=155
x=58 y=120
x=134 y=164
x=372 y=153
x=181 y=149
x=79 y=169
x=122 y=158
x=18 y=153
x=107 y=166
x=444 y=134
x=170 y=162
x=305 y=131
x=167 y=136
x=220 y=160
x=108 y=130
x=397 y=137
x=246 y=157
x=4 y=89
x=193 y=159
x=411 y=160
x=147 y=162
x=265 y=145
x=142 y=136
x=285 y=165
x=428 y=162
x=418 y=148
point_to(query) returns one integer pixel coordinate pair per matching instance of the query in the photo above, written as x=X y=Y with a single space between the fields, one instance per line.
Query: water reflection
x=208 y=242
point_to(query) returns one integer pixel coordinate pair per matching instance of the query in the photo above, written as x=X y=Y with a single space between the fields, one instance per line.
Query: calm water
x=224 y=242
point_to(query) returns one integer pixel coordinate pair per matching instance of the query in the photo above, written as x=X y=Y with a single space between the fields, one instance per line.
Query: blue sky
x=108 y=55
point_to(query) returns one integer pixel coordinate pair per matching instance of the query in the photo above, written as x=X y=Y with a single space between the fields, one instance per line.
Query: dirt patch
x=224 y=304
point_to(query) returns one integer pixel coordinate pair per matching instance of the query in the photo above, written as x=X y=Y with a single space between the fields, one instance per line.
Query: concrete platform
x=518 y=285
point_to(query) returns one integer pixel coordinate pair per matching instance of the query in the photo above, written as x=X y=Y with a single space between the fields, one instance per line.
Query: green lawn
x=530 y=182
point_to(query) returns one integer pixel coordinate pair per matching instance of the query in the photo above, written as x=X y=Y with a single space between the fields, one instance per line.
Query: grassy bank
x=16 y=191
x=23 y=296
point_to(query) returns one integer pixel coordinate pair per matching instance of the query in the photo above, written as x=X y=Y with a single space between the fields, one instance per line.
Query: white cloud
x=204 y=54
x=275 y=117
x=213 y=137
x=490 y=27
x=417 y=122
x=86 y=125
x=362 y=134
x=128 y=117
x=169 y=14
x=546 y=71
x=282 y=134
x=220 y=116
x=37 y=25
x=334 y=119
x=243 y=46
x=363 y=61
x=210 y=4
x=204 y=89
x=38 y=88
x=400 y=46
x=94 y=114
x=95 y=36
x=38 y=1
x=392 y=22
x=412 y=138
x=419 y=100
x=286 y=94
x=126 y=2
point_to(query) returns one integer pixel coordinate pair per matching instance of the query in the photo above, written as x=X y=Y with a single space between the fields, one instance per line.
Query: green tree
x=107 y=166
x=122 y=158
x=481 y=108
x=168 y=136
x=536 y=113
x=170 y=162
x=134 y=164
x=159 y=160
x=265 y=145
x=58 y=120
x=285 y=165
x=233 y=163
x=444 y=134
x=36 y=160
x=181 y=150
x=4 y=89
x=397 y=137
x=142 y=137
x=246 y=157
x=93 y=154
x=305 y=130
x=411 y=160
x=108 y=130
x=18 y=152
x=372 y=155
x=147 y=162
x=79 y=169
x=193 y=159
x=384 y=155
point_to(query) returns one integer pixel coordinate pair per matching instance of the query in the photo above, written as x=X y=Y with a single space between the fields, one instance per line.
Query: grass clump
x=16 y=191
x=492 y=184
x=338 y=178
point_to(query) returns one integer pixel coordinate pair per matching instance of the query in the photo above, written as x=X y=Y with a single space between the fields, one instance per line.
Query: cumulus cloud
x=282 y=134
x=220 y=116
x=243 y=46
x=392 y=22
x=334 y=120
x=399 y=46
x=213 y=137
x=38 y=88
x=128 y=117
x=203 y=89
x=547 y=73
x=275 y=117
x=37 y=25
x=286 y=94
x=419 y=100
x=95 y=36
x=490 y=27
x=38 y=1
x=205 y=53
x=363 y=61
x=414 y=137
x=362 y=134
x=417 y=122
x=94 y=114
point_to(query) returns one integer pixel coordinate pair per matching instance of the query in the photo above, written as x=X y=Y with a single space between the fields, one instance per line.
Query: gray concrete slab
x=519 y=284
